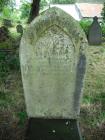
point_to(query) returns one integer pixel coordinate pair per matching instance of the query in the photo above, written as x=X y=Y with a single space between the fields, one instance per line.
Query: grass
x=93 y=103
x=22 y=117
x=12 y=106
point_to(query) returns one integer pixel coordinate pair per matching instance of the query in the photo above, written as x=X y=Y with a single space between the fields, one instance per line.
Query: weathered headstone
x=95 y=33
x=19 y=29
x=4 y=33
x=53 y=65
x=7 y=22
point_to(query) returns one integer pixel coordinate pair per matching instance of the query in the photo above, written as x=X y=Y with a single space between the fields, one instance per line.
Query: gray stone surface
x=95 y=33
x=52 y=56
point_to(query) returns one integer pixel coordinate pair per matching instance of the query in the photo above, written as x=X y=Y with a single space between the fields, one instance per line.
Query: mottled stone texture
x=52 y=56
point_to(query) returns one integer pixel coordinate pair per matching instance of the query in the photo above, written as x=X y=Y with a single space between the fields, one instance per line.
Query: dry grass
x=93 y=105
x=13 y=118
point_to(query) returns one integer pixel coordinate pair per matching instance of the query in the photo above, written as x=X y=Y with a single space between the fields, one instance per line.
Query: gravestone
x=95 y=33
x=7 y=22
x=4 y=34
x=52 y=57
x=19 y=29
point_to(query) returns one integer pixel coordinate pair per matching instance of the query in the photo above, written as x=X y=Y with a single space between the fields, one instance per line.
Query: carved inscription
x=54 y=51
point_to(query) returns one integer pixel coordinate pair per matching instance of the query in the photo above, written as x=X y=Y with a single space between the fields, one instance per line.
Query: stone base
x=53 y=129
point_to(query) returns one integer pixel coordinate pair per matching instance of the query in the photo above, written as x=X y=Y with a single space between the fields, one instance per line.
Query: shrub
x=4 y=69
x=15 y=16
x=103 y=29
x=4 y=34
x=103 y=12
x=43 y=3
x=8 y=62
x=25 y=10
x=6 y=13
x=85 y=24
x=13 y=62
x=22 y=118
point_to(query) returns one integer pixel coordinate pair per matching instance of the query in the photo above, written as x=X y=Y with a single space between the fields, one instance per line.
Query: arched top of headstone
x=95 y=18
x=51 y=17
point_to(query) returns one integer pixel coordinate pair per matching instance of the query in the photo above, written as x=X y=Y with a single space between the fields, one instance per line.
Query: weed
x=22 y=118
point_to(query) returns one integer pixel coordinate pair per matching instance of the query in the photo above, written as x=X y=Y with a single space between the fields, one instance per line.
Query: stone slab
x=53 y=129
x=52 y=67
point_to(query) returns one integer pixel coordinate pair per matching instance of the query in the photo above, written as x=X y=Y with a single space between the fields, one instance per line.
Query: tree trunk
x=34 y=10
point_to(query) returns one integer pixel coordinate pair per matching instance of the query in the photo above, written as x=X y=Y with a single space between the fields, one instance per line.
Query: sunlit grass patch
x=93 y=103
